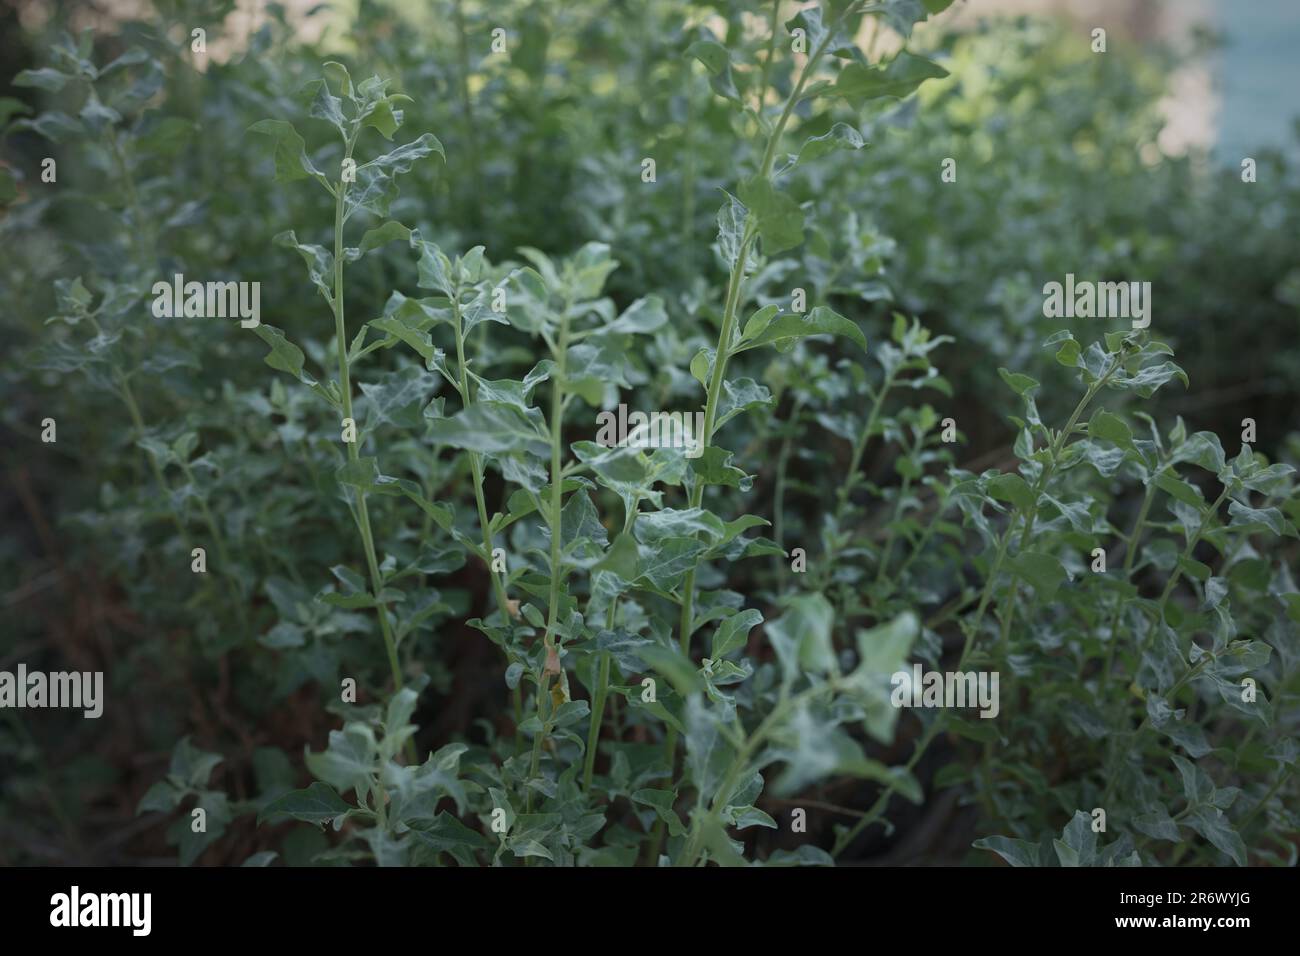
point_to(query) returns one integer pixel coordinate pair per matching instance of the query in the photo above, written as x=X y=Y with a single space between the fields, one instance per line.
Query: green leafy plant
x=521 y=643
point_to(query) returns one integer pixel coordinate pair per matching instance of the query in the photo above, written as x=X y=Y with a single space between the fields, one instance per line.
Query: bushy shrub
x=437 y=617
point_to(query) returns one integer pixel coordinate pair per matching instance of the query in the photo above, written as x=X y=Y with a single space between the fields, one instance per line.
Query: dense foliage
x=436 y=620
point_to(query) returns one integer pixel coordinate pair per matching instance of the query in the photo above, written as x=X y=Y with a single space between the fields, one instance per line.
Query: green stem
x=223 y=555
x=560 y=354
x=778 y=498
x=922 y=542
x=345 y=390
x=1282 y=778
x=1008 y=609
x=476 y=465
x=686 y=625
x=1115 y=739
x=741 y=763
x=897 y=516
x=851 y=482
x=1130 y=557
x=1187 y=553
x=725 y=335
x=137 y=420
x=877 y=809
x=1113 y=748
x=601 y=693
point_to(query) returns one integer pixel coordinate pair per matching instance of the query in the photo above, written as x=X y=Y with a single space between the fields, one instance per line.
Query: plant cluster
x=405 y=608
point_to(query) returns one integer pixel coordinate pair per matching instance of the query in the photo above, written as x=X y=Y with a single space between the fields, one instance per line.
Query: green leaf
x=780 y=220
x=760 y=320
x=714 y=467
x=317 y=804
x=662 y=802
x=733 y=632
x=319 y=262
x=162 y=797
x=806 y=625
x=785 y=330
x=717 y=61
x=338 y=74
x=191 y=767
x=1109 y=427
x=742 y=395
x=382 y=117
x=349 y=760
x=446 y=834
x=376 y=187
x=1198 y=788
x=287 y=357
x=1158 y=825
x=621 y=559
x=1187 y=493
x=841 y=136
x=1211 y=823
x=859 y=83
x=731 y=229
x=1069 y=354
x=1015 y=852
x=391 y=231
x=1255 y=520
x=291 y=162
x=47 y=78
x=492 y=428
x=1041 y=571
x=702 y=366
x=671 y=663
x=1011 y=487
x=1020 y=384
x=1078 y=843
x=708 y=755
x=644 y=315
x=882 y=652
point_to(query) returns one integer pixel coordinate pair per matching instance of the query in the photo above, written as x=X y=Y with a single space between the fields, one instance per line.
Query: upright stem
x=1129 y=557
x=133 y=407
x=601 y=693
x=686 y=625
x=476 y=471
x=888 y=547
x=778 y=498
x=736 y=279
x=738 y=766
x=345 y=388
x=476 y=465
x=223 y=555
x=1187 y=553
x=855 y=463
x=556 y=522
x=1007 y=611
x=557 y=474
